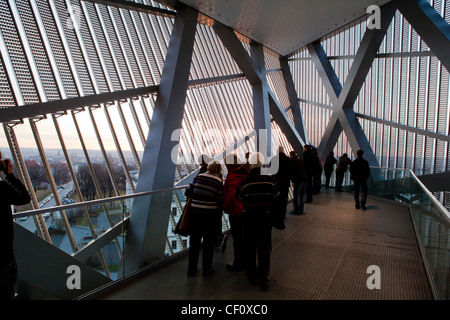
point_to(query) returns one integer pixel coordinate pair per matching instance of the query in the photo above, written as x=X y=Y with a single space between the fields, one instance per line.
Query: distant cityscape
x=76 y=155
x=67 y=194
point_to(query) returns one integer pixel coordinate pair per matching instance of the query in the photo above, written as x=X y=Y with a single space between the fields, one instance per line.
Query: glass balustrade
x=430 y=218
x=91 y=234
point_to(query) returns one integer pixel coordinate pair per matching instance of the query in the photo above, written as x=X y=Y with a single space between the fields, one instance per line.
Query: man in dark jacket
x=310 y=162
x=318 y=168
x=359 y=173
x=299 y=181
x=258 y=194
x=328 y=167
x=341 y=169
x=12 y=192
x=283 y=179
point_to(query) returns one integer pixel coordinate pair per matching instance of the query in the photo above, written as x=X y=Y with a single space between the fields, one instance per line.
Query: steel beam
x=254 y=70
x=330 y=136
x=326 y=72
x=364 y=57
x=50 y=282
x=38 y=109
x=147 y=232
x=134 y=6
x=293 y=99
x=237 y=51
x=430 y=25
x=343 y=97
x=285 y=124
x=261 y=109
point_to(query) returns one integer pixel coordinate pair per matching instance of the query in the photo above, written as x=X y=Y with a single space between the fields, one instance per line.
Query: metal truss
x=80 y=62
x=399 y=108
x=148 y=223
x=265 y=102
x=343 y=97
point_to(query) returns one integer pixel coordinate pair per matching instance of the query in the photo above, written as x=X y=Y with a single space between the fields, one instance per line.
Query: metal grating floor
x=321 y=255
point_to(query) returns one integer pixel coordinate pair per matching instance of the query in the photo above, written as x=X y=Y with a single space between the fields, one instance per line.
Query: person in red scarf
x=233 y=207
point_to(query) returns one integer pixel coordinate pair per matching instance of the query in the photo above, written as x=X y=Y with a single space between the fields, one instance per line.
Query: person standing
x=318 y=168
x=246 y=164
x=359 y=173
x=308 y=160
x=12 y=192
x=206 y=192
x=299 y=182
x=283 y=179
x=341 y=169
x=328 y=167
x=258 y=194
x=203 y=161
x=233 y=208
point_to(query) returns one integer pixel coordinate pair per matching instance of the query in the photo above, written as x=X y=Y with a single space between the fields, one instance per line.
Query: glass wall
x=403 y=106
x=92 y=236
x=70 y=59
x=81 y=80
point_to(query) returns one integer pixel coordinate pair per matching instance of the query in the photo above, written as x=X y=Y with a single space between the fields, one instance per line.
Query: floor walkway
x=321 y=255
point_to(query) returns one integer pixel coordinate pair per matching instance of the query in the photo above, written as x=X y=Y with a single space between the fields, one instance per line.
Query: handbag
x=182 y=227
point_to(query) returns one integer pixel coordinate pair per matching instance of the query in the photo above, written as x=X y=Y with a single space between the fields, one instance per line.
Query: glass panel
x=98 y=230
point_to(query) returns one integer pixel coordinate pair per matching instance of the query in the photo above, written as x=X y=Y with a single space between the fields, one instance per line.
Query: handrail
x=432 y=197
x=387 y=168
x=436 y=202
x=29 y=213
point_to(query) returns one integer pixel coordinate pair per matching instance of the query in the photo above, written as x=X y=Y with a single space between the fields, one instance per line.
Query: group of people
x=303 y=173
x=250 y=200
x=359 y=173
x=256 y=202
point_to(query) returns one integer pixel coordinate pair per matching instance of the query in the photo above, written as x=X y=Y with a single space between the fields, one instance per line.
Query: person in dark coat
x=233 y=207
x=258 y=194
x=299 y=182
x=12 y=192
x=283 y=178
x=310 y=165
x=328 y=167
x=318 y=168
x=359 y=173
x=341 y=169
x=203 y=161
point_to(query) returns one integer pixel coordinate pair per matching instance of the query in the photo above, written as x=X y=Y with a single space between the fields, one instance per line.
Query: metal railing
x=98 y=228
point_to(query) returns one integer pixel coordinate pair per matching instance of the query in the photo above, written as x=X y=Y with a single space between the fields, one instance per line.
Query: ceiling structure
x=284 y=26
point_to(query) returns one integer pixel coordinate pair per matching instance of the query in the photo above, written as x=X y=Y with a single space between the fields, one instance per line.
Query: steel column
x=147 y=232
x=293 y=99
x=256 y=75
x=261 y=111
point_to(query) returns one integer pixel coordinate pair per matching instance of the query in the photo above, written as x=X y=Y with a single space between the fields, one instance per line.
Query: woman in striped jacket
x=206 y=192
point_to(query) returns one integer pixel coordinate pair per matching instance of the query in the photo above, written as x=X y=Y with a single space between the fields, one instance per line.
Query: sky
x=49 y=138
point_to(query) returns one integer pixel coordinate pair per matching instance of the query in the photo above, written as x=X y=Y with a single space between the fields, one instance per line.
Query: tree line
x=61 y=175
